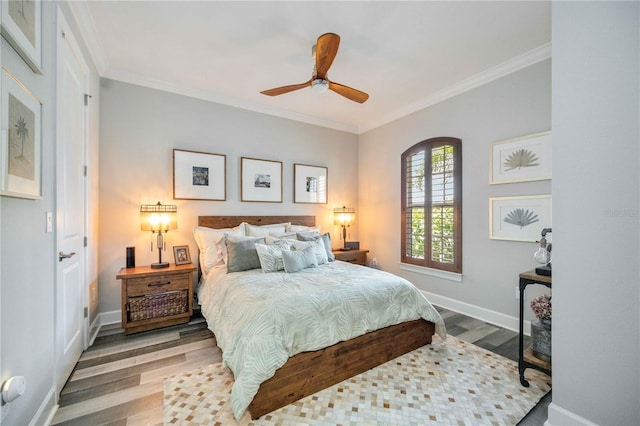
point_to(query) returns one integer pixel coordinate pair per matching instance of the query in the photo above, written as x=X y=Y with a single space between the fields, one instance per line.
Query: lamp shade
x=158 y=217
x=343 y=216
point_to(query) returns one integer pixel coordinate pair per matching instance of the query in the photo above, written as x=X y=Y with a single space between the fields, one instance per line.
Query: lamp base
x=159 y=265
x=544 y=270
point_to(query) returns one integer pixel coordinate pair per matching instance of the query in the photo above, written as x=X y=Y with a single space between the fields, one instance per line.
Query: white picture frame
x=523 y=159
x=260 y=180
x=519 y=218
x=199 y=176
x=21 y=24
x=21 y=153
x=310 y=184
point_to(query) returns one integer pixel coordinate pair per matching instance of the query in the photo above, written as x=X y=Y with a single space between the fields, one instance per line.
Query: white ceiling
x=405 y=55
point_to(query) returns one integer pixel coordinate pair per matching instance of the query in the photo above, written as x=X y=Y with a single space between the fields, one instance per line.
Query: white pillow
x=284 y=235
x=271 y=257
x=284 y=243
x=318 y=249
x=301 y=228
x=213 y=251
x=295 y=261
x=263 y=230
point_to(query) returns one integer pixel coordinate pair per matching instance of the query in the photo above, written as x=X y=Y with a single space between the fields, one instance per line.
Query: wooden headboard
x=219 y=222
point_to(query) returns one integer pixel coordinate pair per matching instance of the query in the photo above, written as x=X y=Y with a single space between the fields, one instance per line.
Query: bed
x=304 y=370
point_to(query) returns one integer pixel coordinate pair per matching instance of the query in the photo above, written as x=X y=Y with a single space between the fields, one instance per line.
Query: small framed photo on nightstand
x=181 y=255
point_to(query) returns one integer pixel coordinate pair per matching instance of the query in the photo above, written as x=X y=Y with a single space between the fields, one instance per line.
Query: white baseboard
x=558 y=416
x=111 y=317
x=102 y=319
x=483 y=314
x=48 y=408
x=94 y=328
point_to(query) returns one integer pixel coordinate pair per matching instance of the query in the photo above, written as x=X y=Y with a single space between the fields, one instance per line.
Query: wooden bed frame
x=309 y=372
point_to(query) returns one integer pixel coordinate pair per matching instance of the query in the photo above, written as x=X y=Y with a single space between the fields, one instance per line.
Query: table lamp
x=160 y=219
x=344 y=217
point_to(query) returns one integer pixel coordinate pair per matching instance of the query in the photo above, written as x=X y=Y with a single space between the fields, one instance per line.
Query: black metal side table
x=526 y=359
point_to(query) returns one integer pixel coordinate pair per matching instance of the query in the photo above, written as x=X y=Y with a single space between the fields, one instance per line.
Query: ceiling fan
x=324 y=52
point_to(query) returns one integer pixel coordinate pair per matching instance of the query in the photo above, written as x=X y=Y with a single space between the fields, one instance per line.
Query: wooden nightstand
x=359 y=257
x=155 y=298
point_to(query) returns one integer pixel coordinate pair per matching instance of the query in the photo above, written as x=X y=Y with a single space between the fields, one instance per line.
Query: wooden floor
x=118 y=380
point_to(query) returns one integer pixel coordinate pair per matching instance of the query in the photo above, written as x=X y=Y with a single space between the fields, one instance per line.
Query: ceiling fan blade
x=348 y=92
x=286 y=89
x=326 y=50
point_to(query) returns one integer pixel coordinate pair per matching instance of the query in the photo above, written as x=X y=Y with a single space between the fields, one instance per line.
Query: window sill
x=451 y=276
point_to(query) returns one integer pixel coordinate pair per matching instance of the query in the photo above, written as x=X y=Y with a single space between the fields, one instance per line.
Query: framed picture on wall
x=309 y=184
x=199 y=176
x=261 y=180
x=519 y=218
x=521 y=160
x=21 y=27
x=21 y=140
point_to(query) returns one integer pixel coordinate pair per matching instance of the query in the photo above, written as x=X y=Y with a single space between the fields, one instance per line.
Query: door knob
x=62 y=255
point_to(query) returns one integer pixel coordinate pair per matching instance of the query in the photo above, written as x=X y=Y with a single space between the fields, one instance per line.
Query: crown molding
x=85 y=23
x=529 y=58
x=88 y=34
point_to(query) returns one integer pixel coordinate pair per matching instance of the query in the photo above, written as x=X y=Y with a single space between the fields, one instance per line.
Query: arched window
x=432 y=204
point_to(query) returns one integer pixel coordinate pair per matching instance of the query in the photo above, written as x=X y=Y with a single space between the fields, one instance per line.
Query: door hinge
x=85 y=171
x=86 y=99
x=86 y=312
x=85 y=241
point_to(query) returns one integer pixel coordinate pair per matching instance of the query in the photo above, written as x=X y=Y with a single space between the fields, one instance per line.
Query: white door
x=71 y=300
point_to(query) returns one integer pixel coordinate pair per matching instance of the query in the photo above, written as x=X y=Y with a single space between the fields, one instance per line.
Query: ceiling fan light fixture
x=320 y=85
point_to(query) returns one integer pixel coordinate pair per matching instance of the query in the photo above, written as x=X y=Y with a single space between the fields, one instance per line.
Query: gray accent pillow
x=242 y=254
x=298 y=260
x=326 y=240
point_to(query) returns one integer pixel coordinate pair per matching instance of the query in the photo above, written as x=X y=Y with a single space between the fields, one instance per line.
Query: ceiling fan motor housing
x=320 y=85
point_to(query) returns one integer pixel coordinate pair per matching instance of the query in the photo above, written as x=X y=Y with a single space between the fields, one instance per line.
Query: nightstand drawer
x=157 y=284
x=359 y=257
x=353 y=258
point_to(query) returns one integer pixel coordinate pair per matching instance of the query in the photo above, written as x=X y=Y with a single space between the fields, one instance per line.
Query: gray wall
x=596 y=297
x=28 y=262
x=516 y=105
x=139 y=129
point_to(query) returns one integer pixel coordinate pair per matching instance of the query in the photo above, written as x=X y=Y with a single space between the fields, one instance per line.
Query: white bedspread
x=260 y=320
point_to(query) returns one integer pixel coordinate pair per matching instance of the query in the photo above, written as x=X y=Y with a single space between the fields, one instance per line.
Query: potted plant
x=541 y=327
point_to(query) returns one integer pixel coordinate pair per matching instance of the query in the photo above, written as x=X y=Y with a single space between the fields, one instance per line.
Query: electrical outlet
x=517 y=292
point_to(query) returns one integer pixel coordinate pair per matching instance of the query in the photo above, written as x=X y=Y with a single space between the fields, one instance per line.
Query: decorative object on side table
x=181 y=255
x=160 y=219
x=344 y=217
x=131 y=257
x=543 y=254
x=541 y=327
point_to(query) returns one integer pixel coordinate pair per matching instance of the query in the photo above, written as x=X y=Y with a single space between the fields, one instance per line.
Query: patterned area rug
x=449 y=383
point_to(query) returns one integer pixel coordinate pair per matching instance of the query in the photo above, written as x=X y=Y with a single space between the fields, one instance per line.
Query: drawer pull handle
x=158 y=284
